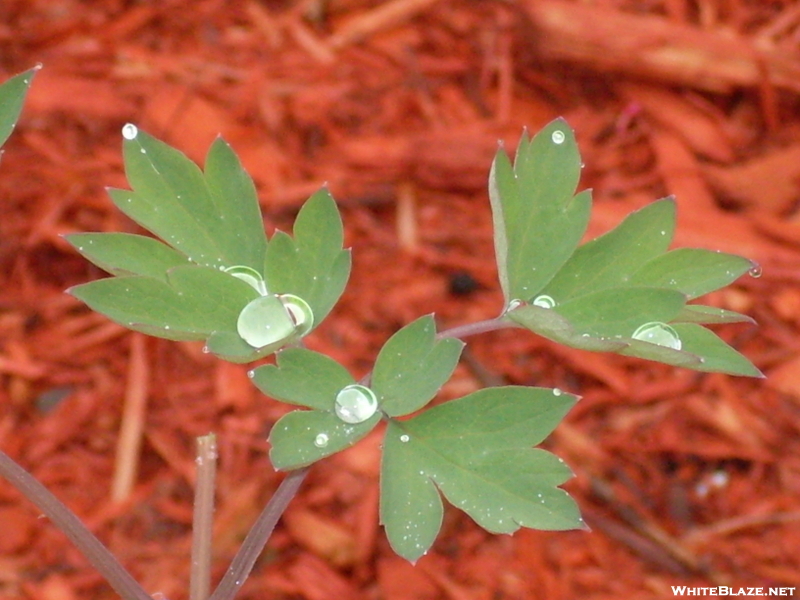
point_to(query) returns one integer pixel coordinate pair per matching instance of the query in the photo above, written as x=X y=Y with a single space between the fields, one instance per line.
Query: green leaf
x=662 y=354
x=609 y=260
x=127 y=254
x=548 y=323
x=192 y=304
x=229 y=346
x=698 y=313
x=172 y=198
x=304 y=378
x=699 y=349
x=313 y=265
x=235 y=196
x=12 y=97
x=692 y=271
x=538 y=222
x=717 y=356
x=619 y=311
x=477 y=451
x=295 y=441
x=412 y=366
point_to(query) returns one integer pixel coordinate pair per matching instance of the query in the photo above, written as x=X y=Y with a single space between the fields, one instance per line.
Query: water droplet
x=130 y=131
x=558 y=137
x=321 y=440
x=251 y=373
x=300 y=313
x=250 y=276
x=265 y=321
x=404 y=438
x=557 y=392
x=355 y=403
x=755 y=271
x=205 y=348
x=657 y=333
x=544 y=301
x=516 y=303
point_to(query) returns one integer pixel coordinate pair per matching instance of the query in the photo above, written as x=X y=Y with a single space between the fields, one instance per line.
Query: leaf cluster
x=622 y=292
x=215 y=276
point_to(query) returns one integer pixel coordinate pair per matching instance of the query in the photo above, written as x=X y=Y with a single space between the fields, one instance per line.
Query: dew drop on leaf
x=404 y=438
x=355 y=403
x=130 y=131
x=516 y=303
x=558 y=137
x=557 y=392
x=250 y=276
x=755 y=271
x=299 y=311
x=658 y=333
x=321 y=440
x=544 y=301
x=264 y=321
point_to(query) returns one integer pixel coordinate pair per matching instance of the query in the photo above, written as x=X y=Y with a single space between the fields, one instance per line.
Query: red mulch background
x=685 y=478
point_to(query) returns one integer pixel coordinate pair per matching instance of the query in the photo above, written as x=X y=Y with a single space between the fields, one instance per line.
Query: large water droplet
x=544 y=301
x=321 y=440
x=130 y=131
x=404 y=438
x=755 y=271
x=250 y=276
x=264 y=321
x=355 y=403
x=658 y=333
x=558 y=137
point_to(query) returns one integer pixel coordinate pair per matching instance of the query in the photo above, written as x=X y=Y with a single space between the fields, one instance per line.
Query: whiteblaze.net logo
x=723 y=590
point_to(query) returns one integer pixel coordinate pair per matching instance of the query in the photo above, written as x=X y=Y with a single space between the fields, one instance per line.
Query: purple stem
x=257 y=538
x=97 y=554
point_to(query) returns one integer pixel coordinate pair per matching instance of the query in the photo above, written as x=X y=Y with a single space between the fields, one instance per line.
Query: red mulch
x=686 y=479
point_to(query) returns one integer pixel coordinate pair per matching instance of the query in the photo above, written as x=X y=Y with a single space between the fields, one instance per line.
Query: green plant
x=216 y=277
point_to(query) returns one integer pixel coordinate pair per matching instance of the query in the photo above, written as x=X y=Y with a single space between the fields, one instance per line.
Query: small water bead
x=658 y=333
x=557 y=392
x=250 y=276
x=558 y=137
x=544 y=301
x=321 y=440
x=516 y=303
x=355 y=403
x=130 y=131
x=404 y=438
x=755 y=271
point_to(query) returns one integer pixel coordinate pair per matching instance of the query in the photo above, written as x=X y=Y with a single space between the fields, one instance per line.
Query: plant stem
x=97 y=554
x=463 y=331
x=257 y=538
x=203 y=518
